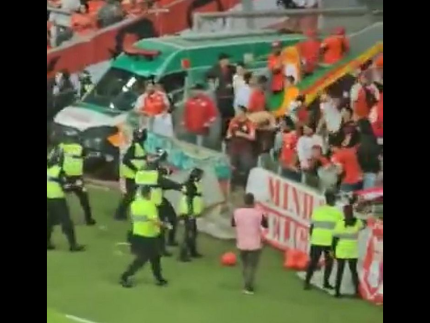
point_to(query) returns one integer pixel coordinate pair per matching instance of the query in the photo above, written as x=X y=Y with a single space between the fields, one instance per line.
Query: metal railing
x=352 y=18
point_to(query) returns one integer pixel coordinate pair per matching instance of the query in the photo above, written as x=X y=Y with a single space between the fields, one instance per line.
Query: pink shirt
x=248 y=228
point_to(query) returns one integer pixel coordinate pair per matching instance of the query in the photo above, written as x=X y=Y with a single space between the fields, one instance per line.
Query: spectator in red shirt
x=257 y=99
x=348 y=167
x=241 y=141
x=310 y=51
x=288 y=154
x=275 y=66
x=200 y=112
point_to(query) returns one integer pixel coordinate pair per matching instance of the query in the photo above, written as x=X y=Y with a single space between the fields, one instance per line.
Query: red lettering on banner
x=274 y=190
x=291 y=199
x=274 y=228
x=285 y=199
x=296 y=200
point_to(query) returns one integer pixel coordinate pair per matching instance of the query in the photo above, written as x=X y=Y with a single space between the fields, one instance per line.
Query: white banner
x=289 y=206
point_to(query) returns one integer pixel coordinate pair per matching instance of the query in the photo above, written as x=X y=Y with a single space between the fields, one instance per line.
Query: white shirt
x=71 y=5
x=304 y=148
x=355 y=90
x=242 y=95
x=238 y=82
x=332 y=116
x=139 y=102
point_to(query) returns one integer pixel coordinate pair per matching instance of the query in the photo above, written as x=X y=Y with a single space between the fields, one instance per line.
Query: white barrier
x=289 y=206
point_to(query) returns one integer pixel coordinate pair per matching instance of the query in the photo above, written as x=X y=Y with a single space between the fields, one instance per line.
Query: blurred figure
x=144 y=238
x=304 y=148
x=86 y=83
x=291 y=94
x=310 y=51
x=150 y=104
x=347 y=164
x=82 y=23
x=368 y=153
x=241 y=140
x=324 y=220
x=257 y=98
x=275 y=66
x=288 y=155
x=110 y=13
x=243 y=93
x=335 y=47
x=133 y=8
x=345 y=246
x=190 y=208
x=221 y=79
x=238 y=78
x=95 y=5
x=364 y=95
x=199 y=113
x=248 y=222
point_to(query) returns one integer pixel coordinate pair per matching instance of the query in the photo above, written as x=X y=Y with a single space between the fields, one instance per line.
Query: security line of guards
x=58 y=211
x=336 y=235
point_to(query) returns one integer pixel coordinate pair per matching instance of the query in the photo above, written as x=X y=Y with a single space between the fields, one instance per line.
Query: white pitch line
x=78 y=319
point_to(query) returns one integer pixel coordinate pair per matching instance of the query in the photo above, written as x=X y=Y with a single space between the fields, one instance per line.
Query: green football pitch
x=85 y=285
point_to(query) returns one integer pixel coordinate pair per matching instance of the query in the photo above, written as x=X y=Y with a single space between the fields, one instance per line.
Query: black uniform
x=189 y=243
x=167 y=213
x=130 y=186
x=58 y=213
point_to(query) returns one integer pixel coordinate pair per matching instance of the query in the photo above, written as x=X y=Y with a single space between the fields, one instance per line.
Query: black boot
x=91 y=222
x=77 y=248
x=161 y=282
x=50 y=246
x=125 y=282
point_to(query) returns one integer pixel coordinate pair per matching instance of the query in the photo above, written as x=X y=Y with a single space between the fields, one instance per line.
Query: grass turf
x=86 y=284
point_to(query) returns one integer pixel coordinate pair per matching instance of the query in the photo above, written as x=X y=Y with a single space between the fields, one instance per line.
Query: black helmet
x=140 y=134
x=161 y=154
x=196 y=174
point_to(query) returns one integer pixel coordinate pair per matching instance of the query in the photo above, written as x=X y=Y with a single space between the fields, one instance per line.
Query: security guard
x=153 y=175
x=144 y=238
x=324 y=219
x=133 y=160
x=73 y=166
x=58 y=211
x=345 y=246
x=191 y=207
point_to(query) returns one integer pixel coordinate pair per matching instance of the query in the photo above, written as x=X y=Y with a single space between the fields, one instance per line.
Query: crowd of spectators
x=79 y=18
x=334 y=141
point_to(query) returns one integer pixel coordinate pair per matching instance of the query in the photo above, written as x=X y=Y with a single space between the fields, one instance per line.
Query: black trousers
x=250 y=260
x=315 y=255
x=168 y=214
x=128 y=197
x=58 y=214
x=82 y=195
x=145 y=249
x=189 y=242
x=352 y=263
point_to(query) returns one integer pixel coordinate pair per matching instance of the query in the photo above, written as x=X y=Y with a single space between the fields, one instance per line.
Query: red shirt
x=199 y=112
x=288 y=150
x=239 y=144
x=347 y=158
x=257 y=101
x=310 y=51
x=335 y=48
x=378 y=125
x=274 y=63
